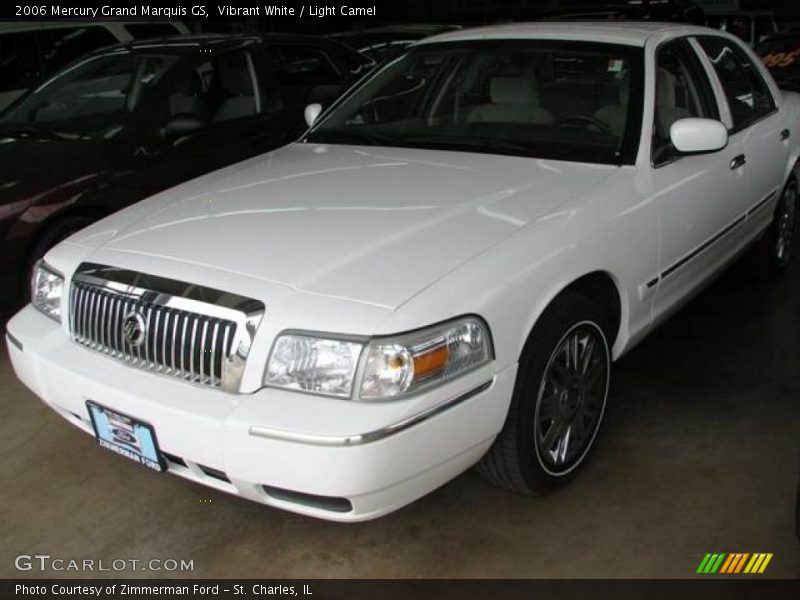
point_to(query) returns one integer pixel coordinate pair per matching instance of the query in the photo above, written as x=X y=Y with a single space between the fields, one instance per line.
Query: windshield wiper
x=344 y=136
x=471 y=143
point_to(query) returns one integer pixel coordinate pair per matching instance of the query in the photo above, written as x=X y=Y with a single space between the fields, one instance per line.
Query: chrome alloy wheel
x=572 y=398
x=786 y=224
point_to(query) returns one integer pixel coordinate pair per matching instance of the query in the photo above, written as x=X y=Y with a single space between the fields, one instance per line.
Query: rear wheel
x=775 y=248
x=558 y=403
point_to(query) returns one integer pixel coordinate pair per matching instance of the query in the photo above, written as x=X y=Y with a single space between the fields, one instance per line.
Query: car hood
x=374 y=225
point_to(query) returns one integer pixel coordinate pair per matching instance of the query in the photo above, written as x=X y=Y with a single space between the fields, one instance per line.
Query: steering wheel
x=588 y=121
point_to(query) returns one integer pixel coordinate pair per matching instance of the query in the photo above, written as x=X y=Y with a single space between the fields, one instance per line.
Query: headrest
x=514 y=90
x=665 y=88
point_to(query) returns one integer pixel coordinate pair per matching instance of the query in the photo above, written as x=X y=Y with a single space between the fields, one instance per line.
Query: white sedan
x=438 y=275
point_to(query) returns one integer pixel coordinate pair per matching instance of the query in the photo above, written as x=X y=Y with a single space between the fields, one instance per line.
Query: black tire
x=774 y=250
x=52 y=235
x=521 y=458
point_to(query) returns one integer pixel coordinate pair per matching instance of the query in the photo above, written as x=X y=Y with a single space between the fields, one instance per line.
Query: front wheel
x=558 y=402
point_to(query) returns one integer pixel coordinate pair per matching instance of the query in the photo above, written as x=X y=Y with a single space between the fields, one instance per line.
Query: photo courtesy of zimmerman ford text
x=474 y=297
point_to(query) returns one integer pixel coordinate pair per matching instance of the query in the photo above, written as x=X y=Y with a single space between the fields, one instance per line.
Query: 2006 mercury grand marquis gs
x=439 y=274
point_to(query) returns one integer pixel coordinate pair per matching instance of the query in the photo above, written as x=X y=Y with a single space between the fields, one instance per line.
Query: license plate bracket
x=127 y=436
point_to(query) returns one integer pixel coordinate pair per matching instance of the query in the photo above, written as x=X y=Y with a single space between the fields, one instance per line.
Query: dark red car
x=125 y=122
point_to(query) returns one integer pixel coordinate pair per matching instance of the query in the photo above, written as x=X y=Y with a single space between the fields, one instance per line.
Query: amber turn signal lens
x=430 y=362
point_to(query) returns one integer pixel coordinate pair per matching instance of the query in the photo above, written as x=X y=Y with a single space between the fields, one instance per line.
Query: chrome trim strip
x=14 y=341
x=762 y=203
x=370 y=436
x=158 y=290
x=713 y=239
x=702 y=247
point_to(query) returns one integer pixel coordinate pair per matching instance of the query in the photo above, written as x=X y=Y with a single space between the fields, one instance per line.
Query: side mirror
x=312 y=112
x=181 y=126
x=692 y=136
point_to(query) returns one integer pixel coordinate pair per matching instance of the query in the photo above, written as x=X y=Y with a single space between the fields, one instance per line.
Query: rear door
x=756 y=121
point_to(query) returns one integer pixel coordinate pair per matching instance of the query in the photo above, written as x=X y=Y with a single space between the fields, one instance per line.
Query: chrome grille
x=153 y=329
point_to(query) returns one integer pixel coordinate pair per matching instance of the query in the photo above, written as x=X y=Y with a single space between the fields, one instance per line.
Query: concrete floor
x=700 y=453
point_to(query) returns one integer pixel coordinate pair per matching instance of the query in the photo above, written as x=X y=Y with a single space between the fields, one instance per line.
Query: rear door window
x=217 y=90
x=747 y=94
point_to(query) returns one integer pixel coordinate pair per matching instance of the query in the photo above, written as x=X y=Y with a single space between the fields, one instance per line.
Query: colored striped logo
x=736 y=562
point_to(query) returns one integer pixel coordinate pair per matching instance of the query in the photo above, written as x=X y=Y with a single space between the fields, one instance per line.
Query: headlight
x=402 y=365
x=47 y=286
x=392 y=367
x=310 y=364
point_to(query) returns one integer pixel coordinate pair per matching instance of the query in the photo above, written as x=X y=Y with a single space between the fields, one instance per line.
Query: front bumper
x=327 y=458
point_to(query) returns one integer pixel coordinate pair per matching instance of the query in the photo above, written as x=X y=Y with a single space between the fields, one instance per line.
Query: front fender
x=611 y=228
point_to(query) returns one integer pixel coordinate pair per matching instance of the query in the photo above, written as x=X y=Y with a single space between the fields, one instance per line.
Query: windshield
x=546 y=99
x=91 y=100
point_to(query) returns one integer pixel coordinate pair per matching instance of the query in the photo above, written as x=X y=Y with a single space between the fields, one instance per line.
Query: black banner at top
x=200 y=10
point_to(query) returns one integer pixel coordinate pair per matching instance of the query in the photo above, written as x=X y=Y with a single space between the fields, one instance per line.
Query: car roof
x=25 y=26
x=633 y=33
x=407 y=28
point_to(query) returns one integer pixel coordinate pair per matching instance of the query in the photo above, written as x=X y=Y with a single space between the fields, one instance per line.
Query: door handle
x=785 y=134
x=738 y=161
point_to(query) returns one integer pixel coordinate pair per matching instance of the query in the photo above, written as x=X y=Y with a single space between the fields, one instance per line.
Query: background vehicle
x=381 y=44
x=314 y=69
x=32 y=51
x=781 y=54
x=752 y=26
x=128 y=121
x=674 y=11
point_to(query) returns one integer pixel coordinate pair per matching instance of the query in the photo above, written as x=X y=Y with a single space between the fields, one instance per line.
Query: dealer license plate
x=125 y=435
